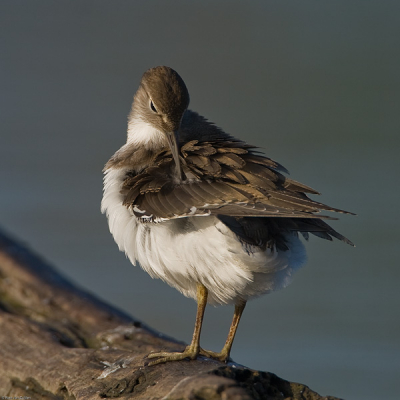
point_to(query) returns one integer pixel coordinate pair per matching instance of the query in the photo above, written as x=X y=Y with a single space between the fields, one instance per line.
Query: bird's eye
x=152 y=106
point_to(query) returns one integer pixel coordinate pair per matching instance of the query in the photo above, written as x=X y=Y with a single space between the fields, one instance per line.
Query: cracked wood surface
x=59 y=342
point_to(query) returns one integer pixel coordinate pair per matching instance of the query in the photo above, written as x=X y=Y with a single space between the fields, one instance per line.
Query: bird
x=208 y=214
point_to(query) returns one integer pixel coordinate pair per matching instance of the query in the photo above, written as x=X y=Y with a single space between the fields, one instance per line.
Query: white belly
x=186 y=251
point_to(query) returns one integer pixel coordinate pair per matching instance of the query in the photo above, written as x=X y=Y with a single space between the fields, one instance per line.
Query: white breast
x=141 y=133
x=183 y=252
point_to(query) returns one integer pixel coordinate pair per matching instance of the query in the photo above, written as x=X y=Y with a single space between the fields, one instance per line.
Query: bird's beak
x=172 y=138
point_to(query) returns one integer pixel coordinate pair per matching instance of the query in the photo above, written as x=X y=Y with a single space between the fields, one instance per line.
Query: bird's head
x=157 y=110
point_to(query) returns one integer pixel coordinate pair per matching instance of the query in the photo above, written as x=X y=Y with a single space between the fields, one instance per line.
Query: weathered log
x=59 y=342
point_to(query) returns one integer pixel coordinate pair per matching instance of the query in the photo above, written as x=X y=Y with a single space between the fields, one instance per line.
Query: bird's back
x=227 y=178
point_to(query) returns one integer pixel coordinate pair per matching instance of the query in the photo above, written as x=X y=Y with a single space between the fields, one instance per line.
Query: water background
x=316 y=84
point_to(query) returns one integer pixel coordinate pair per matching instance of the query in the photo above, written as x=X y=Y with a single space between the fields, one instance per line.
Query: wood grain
x=60 y=342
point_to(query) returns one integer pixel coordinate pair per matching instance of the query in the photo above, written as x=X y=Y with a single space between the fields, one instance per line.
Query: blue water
x=316 y=84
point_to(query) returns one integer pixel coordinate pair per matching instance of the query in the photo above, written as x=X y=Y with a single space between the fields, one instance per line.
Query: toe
x=160 y=354
x=222 y=356
x=161 y=361
x=164 y=357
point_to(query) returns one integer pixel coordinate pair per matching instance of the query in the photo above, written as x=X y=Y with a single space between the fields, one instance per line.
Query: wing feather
x=226 y=178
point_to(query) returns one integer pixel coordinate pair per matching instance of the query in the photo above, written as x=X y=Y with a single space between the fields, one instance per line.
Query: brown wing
x=221 y=177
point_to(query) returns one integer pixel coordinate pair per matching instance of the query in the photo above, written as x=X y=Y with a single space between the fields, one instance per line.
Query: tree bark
x=59 y=342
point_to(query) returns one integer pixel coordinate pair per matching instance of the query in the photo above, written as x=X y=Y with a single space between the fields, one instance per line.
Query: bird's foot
x=163 y=356
x=223 y=356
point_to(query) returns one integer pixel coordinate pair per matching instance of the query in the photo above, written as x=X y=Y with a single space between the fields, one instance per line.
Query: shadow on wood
x=59 y=342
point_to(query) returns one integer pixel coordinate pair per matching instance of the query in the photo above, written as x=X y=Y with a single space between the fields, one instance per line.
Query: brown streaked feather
x=265 y=172
x=216 y=193
x=262 y=210
x=234 y=150
x=154 y=185
x=151 y=205
x=160 y=203
x=131 y=195
x=258 y=159
x=206 y=150
x=178 y=198
x=301 y=200
x=269 y=232
x=253 y=195
x=198 y=161
x=128 y=156
x=197 y=191
x=213 y=168
x=230 y=159
x=233 y=175
x=317 y=225
x=189 y=147
x=295 y=186
x=258 y=182
x=191 y=172
x=138 y=183
x=172 y=206
x=226 y=179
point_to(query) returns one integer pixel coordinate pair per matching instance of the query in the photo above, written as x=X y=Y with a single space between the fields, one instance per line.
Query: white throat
x=141 y=133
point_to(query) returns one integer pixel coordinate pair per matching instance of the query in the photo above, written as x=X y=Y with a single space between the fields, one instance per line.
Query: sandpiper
x=203 y=211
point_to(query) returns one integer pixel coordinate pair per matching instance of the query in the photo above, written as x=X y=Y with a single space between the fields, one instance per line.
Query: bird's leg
x=226 y=350
x=191 y=351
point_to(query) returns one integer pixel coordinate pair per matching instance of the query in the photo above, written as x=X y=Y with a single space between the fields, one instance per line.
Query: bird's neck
x=143 y=134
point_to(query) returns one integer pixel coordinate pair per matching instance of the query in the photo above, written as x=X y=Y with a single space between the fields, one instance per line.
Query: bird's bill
x=172 y=138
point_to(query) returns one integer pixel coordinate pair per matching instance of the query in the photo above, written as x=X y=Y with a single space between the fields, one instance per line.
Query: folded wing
x=228 y=179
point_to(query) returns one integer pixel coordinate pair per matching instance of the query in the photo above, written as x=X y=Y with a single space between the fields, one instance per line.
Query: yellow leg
x=226 y=350
x=191 y=351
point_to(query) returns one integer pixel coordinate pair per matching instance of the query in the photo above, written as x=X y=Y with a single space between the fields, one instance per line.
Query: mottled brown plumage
x=226 y=178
